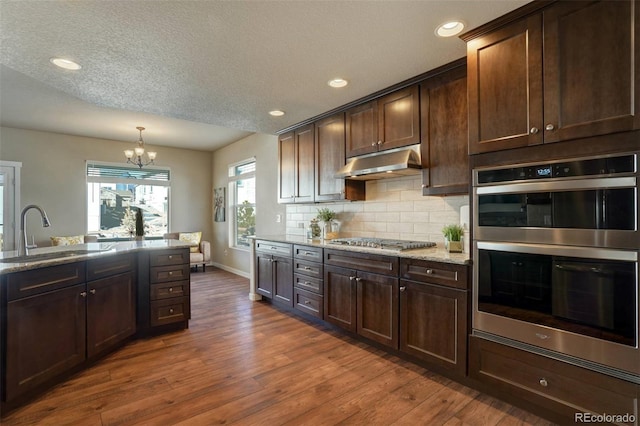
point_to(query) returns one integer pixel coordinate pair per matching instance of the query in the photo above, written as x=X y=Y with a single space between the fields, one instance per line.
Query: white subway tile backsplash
x=395 y=208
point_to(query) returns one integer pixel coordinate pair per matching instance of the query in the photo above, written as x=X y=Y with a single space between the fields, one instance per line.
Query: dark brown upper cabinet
x=443 y=112
x=390 y=121
x=330 y=156
x=567 y=72
x=296 y=166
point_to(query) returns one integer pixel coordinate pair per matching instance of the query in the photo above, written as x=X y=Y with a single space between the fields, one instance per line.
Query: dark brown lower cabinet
x=560 y=389
x=111 y=313
x=275 y=278
x=45 y=337
x=433 y=324
x=362 y=302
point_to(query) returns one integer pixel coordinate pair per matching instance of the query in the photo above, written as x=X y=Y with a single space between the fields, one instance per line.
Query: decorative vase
x=453 y=246
x=329 y=231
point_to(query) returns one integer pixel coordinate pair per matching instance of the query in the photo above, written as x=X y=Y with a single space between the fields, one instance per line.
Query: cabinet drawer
x=312 y=269
x=277 y=249
x=169 y=290
x=36 y=281
x=362 y=261
x=161 y=274
x=313 y=285
x=308 y=302
x=313 y=254
x=555 y=385
x=169 y=257
x=447 y=274
x=107 y=266
x=169 y=311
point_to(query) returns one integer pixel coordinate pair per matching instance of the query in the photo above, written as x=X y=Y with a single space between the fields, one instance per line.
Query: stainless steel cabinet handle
x=430 y=271
x=170 y=310
x=307 y=268
x=379 y=142
x=170 y=290
x=306 y=302
x=92 y=291
x=170 y=273
x=170 y=257
x=403 y=288
x=307 y=283
x=373 y=144
x=543 y=382
x=308 y=253
x=83 y=294
x=534 y=130
x=358 y=279
x=549 y=127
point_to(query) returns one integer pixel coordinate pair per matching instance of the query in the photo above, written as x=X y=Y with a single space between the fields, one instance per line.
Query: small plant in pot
x=327 y=216
x=453 y=238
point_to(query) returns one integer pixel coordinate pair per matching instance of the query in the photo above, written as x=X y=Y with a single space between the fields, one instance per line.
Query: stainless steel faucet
x=24 y=244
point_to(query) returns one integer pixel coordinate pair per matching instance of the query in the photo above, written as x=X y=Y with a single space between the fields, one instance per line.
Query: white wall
x=54 y=177
x=394 y=208
x=265 y=150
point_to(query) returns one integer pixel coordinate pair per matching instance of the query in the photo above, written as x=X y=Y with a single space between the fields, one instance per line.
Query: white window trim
x=231 y=200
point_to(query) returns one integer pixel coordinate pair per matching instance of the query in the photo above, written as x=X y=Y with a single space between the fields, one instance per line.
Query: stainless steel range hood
x=386 y=164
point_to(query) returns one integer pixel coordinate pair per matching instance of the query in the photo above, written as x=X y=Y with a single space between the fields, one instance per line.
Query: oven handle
x=566 y=251
x=562 y=185
x=565 y=267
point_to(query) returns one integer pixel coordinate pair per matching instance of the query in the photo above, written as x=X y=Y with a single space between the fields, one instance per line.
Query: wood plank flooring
x=247 y=363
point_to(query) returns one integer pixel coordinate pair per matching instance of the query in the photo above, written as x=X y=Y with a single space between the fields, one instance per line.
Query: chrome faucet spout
x=24 y=244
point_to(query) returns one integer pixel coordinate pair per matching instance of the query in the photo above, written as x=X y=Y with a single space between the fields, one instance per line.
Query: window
x=242 y=203
x=115 y=192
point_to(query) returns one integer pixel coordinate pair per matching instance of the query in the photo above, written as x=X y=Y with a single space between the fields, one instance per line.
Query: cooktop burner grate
x=382 y=243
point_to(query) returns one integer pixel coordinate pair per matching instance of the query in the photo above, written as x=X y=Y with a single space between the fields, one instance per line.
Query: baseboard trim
x=232 y=270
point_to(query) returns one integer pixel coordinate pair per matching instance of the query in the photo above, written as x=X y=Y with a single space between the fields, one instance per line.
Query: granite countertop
x=47 y=256
x=436 y=254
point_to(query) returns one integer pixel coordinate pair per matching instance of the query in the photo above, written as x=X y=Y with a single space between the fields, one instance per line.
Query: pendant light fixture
x=134 y=156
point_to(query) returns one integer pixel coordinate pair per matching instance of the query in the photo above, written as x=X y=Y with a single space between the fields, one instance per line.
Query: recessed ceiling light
x=338 y=82
x=276 y=113
x=449 y=29
x=65 y=63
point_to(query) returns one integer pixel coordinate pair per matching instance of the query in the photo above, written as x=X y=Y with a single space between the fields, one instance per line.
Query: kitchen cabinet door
x=329 y=157
x=399 y=118
x=505 y=87
x=340 y=297
x=590 y=87
x=45 y=337
x=282 y=269
x=377 y=308
x=433 y=324
x=296 y=166
x=264 y=274
x=111 y=312
x=362 y=129
x=445 y=160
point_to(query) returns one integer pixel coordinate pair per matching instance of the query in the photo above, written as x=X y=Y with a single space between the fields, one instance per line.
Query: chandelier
x=134 y=156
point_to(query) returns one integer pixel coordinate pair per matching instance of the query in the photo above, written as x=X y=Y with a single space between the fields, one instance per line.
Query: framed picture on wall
x=219 y=204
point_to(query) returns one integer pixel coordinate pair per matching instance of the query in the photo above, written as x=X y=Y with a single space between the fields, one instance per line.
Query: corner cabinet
x=391 y=121
x=570 y=71
x=274 y=271
x=296 y=165
x=443 y=112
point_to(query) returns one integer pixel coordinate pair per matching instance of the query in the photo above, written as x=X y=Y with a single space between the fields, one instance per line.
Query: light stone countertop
x=436 y=254
x=83 y=252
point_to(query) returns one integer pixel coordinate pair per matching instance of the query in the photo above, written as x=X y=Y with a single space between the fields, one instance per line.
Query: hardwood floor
x=247 y=363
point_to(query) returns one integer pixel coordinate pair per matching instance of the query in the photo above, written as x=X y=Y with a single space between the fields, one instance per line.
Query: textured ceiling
x=202 y=74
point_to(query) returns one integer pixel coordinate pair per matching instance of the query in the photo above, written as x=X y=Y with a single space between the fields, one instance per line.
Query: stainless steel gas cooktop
x=382 y=243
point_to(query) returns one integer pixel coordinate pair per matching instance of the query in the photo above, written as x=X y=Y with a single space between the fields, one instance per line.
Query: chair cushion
x=67 y=241
x=193 y=238
x=196 y=258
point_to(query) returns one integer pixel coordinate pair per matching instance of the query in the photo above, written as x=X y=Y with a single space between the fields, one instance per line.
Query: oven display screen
x=543 y=172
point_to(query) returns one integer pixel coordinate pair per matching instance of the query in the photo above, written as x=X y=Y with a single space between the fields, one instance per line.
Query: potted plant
x=327 y=216
x=453 y=238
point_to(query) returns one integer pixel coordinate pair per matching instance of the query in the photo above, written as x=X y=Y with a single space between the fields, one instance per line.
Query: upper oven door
x=592 y=212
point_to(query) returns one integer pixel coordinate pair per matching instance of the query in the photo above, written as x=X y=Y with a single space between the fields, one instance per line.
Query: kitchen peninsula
x=65 y=307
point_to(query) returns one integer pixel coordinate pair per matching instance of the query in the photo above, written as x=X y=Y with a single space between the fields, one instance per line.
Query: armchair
x=201 y=254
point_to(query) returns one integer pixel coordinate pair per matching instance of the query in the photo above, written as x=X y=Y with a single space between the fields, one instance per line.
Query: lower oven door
x=579 y=302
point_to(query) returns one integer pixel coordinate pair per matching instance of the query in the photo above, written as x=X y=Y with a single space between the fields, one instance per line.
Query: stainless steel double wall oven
x=556 y=248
